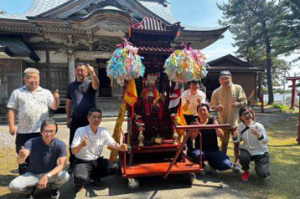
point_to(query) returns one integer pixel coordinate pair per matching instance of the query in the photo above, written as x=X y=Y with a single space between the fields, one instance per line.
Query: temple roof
x=37 y=7
x=14 y=46
x=160 y=8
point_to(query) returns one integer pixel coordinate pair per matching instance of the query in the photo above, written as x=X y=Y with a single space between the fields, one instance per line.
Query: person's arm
x=60 y=166
x=11 y=116
x=55 y=103
x=112 y=143
x=215 y=103
x=242 y=98
x=185 y=102
x=68 y=111
x=236 y=137
x=219 y=132
x=95 y=80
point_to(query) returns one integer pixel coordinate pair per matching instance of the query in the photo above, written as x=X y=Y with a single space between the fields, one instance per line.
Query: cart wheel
x=133 y=183
x=192 y=177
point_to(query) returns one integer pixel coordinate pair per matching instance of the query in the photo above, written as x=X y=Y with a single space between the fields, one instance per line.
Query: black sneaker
x=55 y=193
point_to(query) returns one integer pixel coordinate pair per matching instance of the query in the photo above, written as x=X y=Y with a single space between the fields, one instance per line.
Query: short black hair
x=194 y=82
x=201 y=105
x=93 y=110
x=49 y=122
x=79 y=64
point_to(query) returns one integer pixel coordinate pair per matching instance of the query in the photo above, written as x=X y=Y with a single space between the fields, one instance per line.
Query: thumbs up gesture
x=84 y=142
x=219 y=107
x=56 y=95
x=90 y=70
x=22 y=152
x=215 y=121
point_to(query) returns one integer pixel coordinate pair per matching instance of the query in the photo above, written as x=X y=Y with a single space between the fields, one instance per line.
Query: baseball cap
x=225 y=73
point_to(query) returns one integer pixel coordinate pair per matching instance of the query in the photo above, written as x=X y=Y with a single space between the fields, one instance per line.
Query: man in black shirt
x=210 y=149
x=80 y=99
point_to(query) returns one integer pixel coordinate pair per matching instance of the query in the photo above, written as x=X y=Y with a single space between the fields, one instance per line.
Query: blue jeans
x=216 y=159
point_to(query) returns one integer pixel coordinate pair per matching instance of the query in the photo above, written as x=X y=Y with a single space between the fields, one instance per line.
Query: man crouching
x=87 y=147
x=47 y=156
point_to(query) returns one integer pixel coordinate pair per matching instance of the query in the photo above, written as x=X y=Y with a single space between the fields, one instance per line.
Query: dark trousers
x=21 y=139
x=75 y=124
x=262 y=163
x=189 y=118
x=94 y=169
x=216 y=159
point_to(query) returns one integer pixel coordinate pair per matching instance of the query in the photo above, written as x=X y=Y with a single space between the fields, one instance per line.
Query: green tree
x=255 y=25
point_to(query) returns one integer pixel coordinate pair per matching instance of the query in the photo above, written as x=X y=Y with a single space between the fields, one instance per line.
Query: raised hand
x=219 y=107
x=84 y=142
x=22 y=152
x=254 y=131
x=56 y=95
x=215 y=121
x=235 y=134
x=90 y=70
x=123 y=147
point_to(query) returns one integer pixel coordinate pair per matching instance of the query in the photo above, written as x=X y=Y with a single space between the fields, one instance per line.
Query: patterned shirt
x=32 y=108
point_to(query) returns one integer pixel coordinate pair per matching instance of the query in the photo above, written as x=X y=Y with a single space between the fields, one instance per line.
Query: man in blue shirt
x=47 y=156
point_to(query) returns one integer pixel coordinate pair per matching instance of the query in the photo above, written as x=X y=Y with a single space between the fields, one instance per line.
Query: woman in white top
x=254 y=147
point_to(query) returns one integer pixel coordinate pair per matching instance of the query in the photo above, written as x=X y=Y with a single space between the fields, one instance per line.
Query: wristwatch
x=49 y=175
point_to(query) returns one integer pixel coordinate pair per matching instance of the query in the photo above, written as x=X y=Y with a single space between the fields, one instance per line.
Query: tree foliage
x=262 y=30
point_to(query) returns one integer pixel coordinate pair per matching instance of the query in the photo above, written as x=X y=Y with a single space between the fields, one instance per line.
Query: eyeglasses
x=246 y=113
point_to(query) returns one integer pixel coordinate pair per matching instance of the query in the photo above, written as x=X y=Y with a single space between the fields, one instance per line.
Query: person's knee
x=195 y=155
x=63 y=177
x=263 y=173
x=80 y=179
x=226 y=164
x=16 y=187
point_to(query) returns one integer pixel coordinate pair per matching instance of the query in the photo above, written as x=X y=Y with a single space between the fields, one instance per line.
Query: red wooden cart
x=154 y=148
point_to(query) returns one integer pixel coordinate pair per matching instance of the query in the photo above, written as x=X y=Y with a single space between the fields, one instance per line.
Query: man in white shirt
x=190 y=99
x=87 y=147
x=31 y=104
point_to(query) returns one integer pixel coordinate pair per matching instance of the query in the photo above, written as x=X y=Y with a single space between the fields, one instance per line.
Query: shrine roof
x=167 y=50
x=160 y=8
x=14 y=46
x=37 y=7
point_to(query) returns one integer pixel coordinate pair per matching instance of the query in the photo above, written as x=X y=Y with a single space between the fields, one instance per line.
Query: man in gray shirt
x=31 y=102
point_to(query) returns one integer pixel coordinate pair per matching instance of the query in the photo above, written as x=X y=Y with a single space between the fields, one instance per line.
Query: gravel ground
x=175 y=186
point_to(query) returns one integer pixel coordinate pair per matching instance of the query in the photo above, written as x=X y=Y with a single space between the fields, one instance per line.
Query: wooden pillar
x=71 y=60
x=293 y=94
x=298 y=139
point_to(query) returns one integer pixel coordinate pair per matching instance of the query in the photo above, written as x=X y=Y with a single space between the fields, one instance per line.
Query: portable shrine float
x=150 y=71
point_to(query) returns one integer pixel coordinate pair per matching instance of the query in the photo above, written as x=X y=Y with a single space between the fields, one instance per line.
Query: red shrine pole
x=298 y=139
x=293 y=79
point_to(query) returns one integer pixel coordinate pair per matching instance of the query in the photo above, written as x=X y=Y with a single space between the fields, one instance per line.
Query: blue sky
x=203 y=13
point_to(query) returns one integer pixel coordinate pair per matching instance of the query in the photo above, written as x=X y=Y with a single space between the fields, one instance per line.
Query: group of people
x=230 y=102
x=41 y=156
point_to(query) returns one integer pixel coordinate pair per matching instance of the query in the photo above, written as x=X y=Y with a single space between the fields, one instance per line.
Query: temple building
x=52 y=35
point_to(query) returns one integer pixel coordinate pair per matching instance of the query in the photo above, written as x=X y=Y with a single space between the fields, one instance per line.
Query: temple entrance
x=105 y=88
